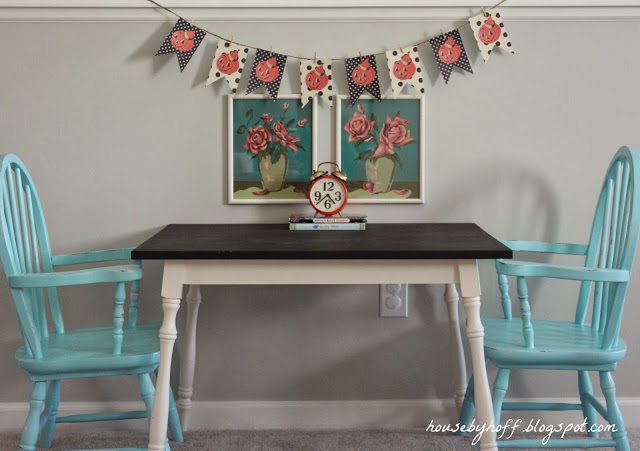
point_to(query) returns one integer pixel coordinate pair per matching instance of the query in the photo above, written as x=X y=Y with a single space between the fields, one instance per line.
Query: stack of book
x=327 y=222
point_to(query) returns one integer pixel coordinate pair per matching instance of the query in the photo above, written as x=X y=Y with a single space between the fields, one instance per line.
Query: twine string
x=169 y=10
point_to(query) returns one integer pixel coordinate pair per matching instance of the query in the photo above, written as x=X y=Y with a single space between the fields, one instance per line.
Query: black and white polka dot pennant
x=316 y=80
x=489 y=31
x=362 y=74
x=228 y=63
x=449 y=51
x=183 y=40
x=404 y=69
x=268 y=68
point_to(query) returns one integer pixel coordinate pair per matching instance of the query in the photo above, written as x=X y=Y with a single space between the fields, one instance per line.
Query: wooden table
x=221 y=254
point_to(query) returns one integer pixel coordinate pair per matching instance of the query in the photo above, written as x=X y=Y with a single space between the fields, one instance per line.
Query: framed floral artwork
x=380 y=146
x=272 y=149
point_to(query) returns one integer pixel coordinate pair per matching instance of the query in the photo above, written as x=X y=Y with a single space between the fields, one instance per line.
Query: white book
x=327 y=226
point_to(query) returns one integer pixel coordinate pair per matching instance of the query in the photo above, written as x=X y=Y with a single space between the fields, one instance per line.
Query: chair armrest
x=92 y=257
x=538 y=246
x=121 y=273
x=530 y=269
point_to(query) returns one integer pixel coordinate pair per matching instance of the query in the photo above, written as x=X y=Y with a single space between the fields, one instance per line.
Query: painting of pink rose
x=284 y=138
x=359 y=128
x=394 y=133
x=258 y=139
x=380 y=149
x=270 y=149
x=267 y=118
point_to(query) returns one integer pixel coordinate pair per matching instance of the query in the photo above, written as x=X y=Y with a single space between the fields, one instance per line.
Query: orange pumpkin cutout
x=228 y=63
x=490 y=31
x=267 y=71
x=363 y=74
x=449 y=52
x=183 y=40
x=404 y=68
x=317 y=79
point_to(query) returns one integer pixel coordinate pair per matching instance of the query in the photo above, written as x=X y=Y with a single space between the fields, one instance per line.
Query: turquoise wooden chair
x=522 y=343
x=52 y=356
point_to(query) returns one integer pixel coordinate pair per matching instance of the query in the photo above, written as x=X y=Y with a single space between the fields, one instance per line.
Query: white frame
x=421 y=150
x=231 y=136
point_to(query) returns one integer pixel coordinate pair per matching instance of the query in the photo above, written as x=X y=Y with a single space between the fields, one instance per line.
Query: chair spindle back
x=612 y=244
x=25 y=249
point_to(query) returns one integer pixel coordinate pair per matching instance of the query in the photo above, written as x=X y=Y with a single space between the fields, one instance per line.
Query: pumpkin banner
x=362 y=74
x=316 y=79
x=490 y=32
x=316 y=75
x=228 y=63
x=449 y=51
x=268 y=68
x=183 y=40
x=404 y=69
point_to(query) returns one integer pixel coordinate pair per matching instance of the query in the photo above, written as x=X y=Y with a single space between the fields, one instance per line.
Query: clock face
x=328 y=195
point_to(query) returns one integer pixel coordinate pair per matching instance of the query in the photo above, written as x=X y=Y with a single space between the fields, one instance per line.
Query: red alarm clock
x=328 y=192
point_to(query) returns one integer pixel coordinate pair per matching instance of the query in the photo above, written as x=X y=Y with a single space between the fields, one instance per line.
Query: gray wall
x=121 y=143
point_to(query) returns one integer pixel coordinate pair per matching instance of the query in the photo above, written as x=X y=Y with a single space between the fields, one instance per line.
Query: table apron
x=178 y=273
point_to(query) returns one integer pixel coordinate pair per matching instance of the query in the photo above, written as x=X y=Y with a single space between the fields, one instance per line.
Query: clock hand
x=330 y=199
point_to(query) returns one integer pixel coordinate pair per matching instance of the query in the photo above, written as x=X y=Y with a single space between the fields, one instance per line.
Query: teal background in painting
x=409 y=109
x=244 y=167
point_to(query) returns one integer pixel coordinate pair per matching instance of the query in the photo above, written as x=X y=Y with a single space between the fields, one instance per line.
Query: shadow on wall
x=400 y=368
x=509 y=199
x=412 y=364
x=514 y=200
x=148 y=49
x=281 y=346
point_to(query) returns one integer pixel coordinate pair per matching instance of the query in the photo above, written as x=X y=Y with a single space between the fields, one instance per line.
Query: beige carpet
x=276 y=440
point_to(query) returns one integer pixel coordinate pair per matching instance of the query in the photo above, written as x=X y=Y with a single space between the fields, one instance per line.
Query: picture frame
x=272 y=149
x=384 y=164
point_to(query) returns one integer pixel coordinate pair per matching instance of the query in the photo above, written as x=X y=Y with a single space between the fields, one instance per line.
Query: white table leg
x=470 y=290
x=160 y=411
x=188 y=363
x=455 y=345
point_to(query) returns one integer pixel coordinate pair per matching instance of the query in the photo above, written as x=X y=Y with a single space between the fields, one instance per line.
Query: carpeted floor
x=276 y=440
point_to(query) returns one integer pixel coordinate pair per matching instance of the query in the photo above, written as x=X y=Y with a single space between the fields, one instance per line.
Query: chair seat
x=558 y=344
x=90 y=352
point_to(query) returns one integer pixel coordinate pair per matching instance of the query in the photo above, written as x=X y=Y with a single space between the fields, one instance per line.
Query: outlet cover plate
x=393 y=300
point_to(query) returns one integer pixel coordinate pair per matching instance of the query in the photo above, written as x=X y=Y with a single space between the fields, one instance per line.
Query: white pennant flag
x=316 y=79
x=489 y=31
x=228 y=63
x=404 y=69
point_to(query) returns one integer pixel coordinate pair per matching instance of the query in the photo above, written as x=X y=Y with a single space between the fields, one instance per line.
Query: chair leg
x=589 y=412
x=615 y=417
x=500 y=387
x=32 y=425
x=147 y=390
x=175 y=429
x=468 y=408
x=50 y=414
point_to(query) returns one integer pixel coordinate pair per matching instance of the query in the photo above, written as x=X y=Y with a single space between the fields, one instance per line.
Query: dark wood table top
x=277 y=242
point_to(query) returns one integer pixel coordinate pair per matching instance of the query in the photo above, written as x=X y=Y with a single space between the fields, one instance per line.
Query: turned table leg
x=187 y=365
x=455 y=345
x=470 y=290
x=160 y=411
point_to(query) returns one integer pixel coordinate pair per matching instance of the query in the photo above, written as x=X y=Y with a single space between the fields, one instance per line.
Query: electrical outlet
x=393 y=300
